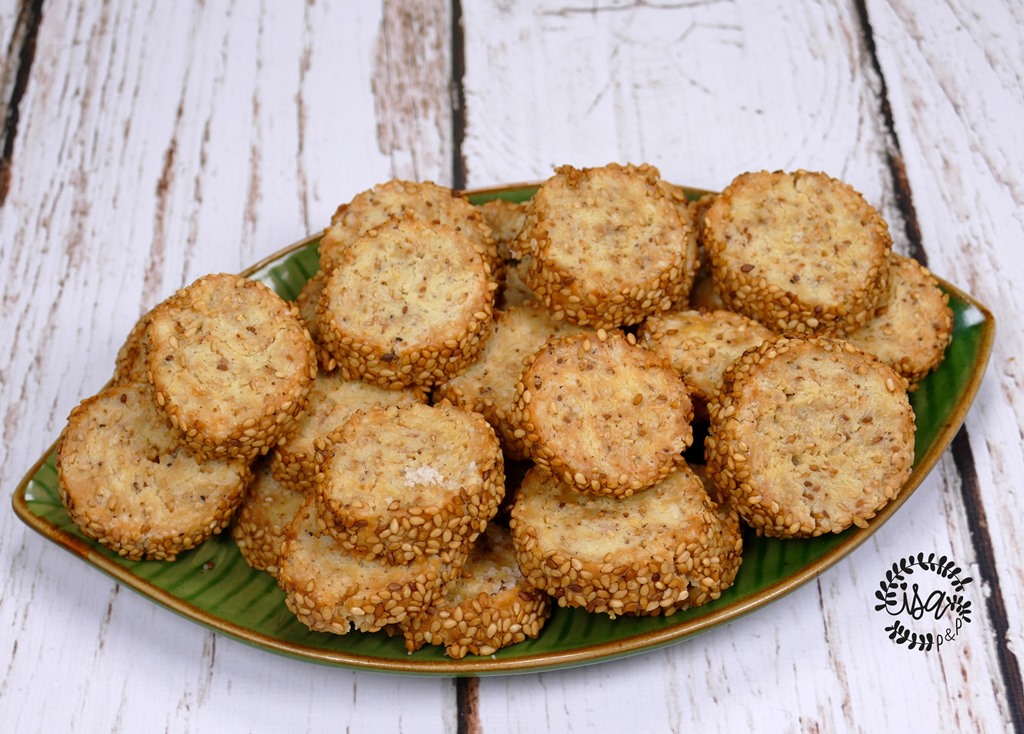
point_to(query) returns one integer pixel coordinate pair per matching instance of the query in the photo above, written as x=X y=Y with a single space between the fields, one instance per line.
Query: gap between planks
x=14 y=81
x=963 y=457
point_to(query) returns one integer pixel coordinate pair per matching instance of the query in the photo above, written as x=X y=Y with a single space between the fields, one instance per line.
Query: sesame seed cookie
x=911 y=330
x=703 y=296
x=127 y=483
x=332 y=590
x=490 y=606
x=607 y=247
x=306 y=302
x=514 y=289
x=698 y=209
x=426 y=201
x=505 y=218
x=230 y=365
x=691 y=212
x=658 y=551
x=488 y=385
x=800 y=252
x=332 y=401
x=409 y=303
x=700 y=345
x=402 y=481
x=809 y=435
x=725 y=544
x=602 y=413
x=261 y=520
x=132 y=361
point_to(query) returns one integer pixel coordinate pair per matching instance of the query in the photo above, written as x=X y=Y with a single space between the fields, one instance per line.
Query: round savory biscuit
x=602 y=413
x=307 y=301
x=427 y=201
x=725 y=543
x=809 y=435
x=331 y=590
x=607 y=247
x=700 y=345
x=698 y=208
x=800 y=252
x=230 y=364
x=332 y=401
x=691 y=211
x=488 y=607
x=514 y=289
x=409 y=303
x=403 y=481
x=488 y=385
x=703 y=296
x=658 y=551
x=261 y=520
x=127 y=483
x=132 y=361
x=505 y=218
x=912 y=328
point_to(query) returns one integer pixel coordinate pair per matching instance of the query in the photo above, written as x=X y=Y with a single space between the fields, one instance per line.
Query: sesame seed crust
x=700 y=345
x=261 y=520
x=800 y=252
x=703 y=296
x=399 y=482
x=387 y=317
x=230 y=364
x=809 y=435
x=606 y=246
x=488 y=607
x=307 y=301
x=602 y=413
x=668 y=548
x=514 y=289
x=691 y=212
x=127 y=483
x=332 y=400
x=488 y=385
x=426 y=201
x=331 y=590
x=505 y=218
x=912 y=328
x=132 y=361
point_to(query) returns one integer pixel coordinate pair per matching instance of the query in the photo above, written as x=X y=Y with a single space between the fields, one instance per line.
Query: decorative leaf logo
x=897 y=596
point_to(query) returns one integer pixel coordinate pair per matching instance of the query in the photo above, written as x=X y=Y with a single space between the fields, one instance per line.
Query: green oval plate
x=213 y=586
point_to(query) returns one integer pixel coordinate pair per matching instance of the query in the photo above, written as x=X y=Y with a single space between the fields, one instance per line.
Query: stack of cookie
x=210 y=379
x=659 y=371
x=790 y=264
x=610 y=518
x=399 y=494
x=810 y=428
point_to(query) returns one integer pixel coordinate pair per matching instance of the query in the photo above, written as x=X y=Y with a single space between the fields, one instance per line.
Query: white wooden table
x=146 y=143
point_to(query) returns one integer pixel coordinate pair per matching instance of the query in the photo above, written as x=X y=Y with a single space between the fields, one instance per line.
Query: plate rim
x=543 y=661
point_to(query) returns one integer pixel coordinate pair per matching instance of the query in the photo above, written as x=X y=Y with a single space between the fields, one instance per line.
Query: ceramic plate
x=213 y=586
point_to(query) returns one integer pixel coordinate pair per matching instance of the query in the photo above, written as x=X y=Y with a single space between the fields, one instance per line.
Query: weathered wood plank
x=955 y=78
x=706 y=91
x=158 y=142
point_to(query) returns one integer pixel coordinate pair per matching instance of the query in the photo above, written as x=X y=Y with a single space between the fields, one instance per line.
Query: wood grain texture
x=19 y=25
x=160 y=141
x=707 y=95
x=958 y=84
